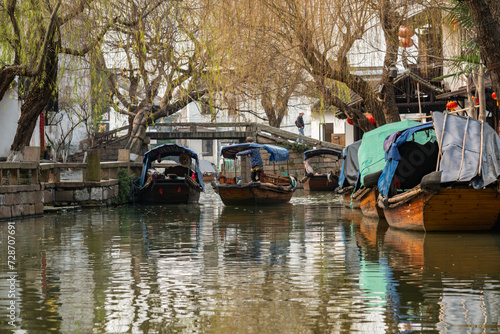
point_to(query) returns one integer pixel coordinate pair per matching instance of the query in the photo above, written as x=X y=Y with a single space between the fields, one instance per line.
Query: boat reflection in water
x=465 y=270
x=308 y=266
x=245 y=230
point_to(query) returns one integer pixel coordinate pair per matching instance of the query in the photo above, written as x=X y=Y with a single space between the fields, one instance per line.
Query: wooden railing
x=101 y=138
x=258 y=130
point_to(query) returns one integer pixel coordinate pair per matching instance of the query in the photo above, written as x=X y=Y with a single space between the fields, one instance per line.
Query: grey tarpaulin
x=207 y=167
x=455 y=129
x=350 y=167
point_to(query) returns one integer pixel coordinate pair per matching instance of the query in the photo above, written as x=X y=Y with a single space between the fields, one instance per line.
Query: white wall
x=10 y=110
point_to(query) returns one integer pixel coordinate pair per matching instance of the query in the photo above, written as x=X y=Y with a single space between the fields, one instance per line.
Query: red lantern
x=494 y=95
x=349 y=121
x=476 y=100
x=405 y=32
x=370 y=118
x=451 y=105
x=406 y=42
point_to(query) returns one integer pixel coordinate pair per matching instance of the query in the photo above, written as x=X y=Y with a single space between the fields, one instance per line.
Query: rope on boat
x=481 y=150
x=148 y=182
x=463 y=149
x=360 y=193
x=346 y=189
x=394 y=202
x=440 y=153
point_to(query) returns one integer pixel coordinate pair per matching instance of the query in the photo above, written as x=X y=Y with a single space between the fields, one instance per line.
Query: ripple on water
x=306 y=266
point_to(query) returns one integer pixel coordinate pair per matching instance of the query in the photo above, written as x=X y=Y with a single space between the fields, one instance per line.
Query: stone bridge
x=241 y=130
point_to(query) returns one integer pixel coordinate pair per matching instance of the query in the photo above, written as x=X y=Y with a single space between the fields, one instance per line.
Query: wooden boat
x=208 y=171
x=371 y=158
x=349 y=175
x=319 y=181
x=271 y=188
x=169 y=183
x=456 y=197
x=367 y=198
x=347 y=199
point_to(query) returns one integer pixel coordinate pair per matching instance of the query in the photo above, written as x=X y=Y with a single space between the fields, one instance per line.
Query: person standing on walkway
x=299 y=122
x=256 y=164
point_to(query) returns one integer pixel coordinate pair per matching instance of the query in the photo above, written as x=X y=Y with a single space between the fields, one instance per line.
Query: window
x=207 y=147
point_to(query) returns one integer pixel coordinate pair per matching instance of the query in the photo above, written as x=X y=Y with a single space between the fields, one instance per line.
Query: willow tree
x=157 y=65
x=34 y=35
x=325 y=32
x=258 y=72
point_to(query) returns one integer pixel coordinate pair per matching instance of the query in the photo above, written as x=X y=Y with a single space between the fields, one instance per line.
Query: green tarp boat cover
x=371 y=154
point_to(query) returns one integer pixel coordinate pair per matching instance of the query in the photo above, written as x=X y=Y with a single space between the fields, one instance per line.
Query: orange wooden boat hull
x=447 y=210
x=368 y=204
x=348 y=201
x=254 y=193
x=319 y=183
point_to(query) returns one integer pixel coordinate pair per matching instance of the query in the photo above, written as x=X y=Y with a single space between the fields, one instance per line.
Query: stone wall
x=27 y=187
x=79 y=193
x=20 y=200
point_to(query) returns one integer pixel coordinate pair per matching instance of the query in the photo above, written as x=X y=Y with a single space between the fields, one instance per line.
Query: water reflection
x=308 y=266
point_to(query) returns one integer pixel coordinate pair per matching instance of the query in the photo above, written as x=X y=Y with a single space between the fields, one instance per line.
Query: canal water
x=310 y=266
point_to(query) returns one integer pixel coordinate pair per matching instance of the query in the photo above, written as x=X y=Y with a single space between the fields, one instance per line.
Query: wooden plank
x=408 y=216
x=368 y=204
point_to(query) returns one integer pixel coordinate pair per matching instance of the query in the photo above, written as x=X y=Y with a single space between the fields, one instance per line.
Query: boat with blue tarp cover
x=371 y=158
x=269 y=189
x=442 y=176
x=326 y=181
x=349 y=174
x=169 y=182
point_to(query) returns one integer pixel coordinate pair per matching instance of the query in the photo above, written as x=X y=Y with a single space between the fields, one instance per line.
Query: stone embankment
x=29 y=188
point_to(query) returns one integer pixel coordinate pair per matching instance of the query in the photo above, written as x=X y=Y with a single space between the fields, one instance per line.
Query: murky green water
x=307 y=267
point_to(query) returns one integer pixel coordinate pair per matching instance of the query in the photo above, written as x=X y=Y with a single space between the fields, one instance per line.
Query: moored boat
x=270 y=189
x=371 y=158
x=208 y=171
x=349 y=174
x=319 y=181
x=172 y=183
x=462 y=195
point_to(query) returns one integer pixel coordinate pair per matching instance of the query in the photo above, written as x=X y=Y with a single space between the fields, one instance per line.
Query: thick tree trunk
x=486 y=16
x=6 y=79
x=390 y=25
x=38 y=97
x=138 y=135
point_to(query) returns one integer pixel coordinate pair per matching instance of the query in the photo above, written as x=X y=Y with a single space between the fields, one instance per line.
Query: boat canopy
x=277 y=153
x=350 y=166
x=207 y=167
x=371 y=154
x=321 y=151
x=167 y=150
x=470 y=150
x=420 y=134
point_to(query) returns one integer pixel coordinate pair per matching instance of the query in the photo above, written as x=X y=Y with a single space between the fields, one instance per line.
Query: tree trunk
x=138 y=135
x=486 y=16
x=390 y=25
x=481 y=95
x=38 y=97
x=7 y=77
